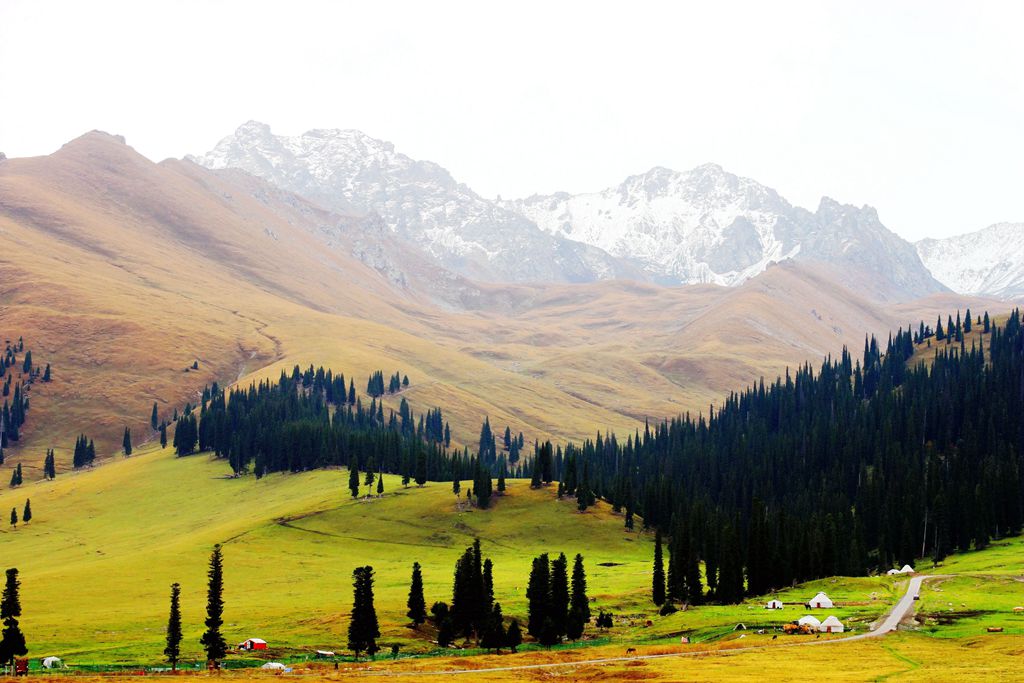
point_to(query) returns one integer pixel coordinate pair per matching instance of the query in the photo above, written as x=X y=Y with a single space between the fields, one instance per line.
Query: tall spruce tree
x=353 y=477
x=363 y=629
x=558 y=609
x=26 y=514
x=126 y=442
x=416 y=604
x=579 y=603
x=153 y=417
x=514 y=636
x=173 y=648
x=658 y=574
x=538 y=593
x=213 y=641
x=12 y=643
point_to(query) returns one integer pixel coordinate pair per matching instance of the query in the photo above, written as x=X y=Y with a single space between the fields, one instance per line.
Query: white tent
x=907 y=569
x=52 y=663
x=809 y=621
x=831 y=625
x=893 y=572
x=774 y=604
x=274 y=666
x=821 y=601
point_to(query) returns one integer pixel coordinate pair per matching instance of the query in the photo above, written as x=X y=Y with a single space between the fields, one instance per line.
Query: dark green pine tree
x=353 y=477
x=538 y=593
x=370 y=477
x=14 y=517
x=549 y=633
x=416 y=604
x=363 y=629
x=46 y=373
x=501 y=478
x=514 y=636
x=12 y=644
x=380 y=484
x=493 y=635
x=421 y=467
x=558 y=608
x=26 y=514
x=213 y=641
x=49 y=466
x=658 y=575
x=487 y=581
x=153 y=417
x=730 y=571
x=535 y=479
x=163 y=436
x=173 y=649
x=579 y=603
x=126 y=442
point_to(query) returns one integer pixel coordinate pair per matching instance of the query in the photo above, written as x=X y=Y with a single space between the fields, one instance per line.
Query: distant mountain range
x=987 y=262
x=700 y=226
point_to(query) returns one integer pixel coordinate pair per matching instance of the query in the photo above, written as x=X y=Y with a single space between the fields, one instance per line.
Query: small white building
x=821 y=601
x=831 y=625
x=774 y=604
x=907 y=569
x=811 y=621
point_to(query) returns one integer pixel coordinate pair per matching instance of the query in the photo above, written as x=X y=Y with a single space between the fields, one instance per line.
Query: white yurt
x=274 y=666
x=893 y=572
x=831 y=625
x=821 y=601
x=907 y=569
x=808 y=620
x=774 y=604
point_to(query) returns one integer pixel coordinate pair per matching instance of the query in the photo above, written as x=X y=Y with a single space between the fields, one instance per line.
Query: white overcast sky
x=916 y=108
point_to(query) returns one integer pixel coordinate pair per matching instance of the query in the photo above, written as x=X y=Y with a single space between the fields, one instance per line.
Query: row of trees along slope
x=309 y=420
x=868 y=463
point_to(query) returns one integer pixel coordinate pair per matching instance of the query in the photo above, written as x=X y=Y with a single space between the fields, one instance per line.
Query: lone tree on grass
x=126 y=442
x=416 y=604
x=26 y=514
x=353 y=478
x=173 y=649
x=14 y=517
x=363 y=630
x=13 y=642
x=49 y=466
x=213 y=641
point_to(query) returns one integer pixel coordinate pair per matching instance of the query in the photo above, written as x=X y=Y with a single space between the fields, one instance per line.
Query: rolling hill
x=121 y=273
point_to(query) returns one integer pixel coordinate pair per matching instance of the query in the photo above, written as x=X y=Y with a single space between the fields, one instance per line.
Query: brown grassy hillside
x=121 y=272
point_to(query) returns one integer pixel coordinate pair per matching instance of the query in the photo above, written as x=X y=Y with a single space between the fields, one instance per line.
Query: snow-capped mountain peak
x=704 y=225
x=989 y=261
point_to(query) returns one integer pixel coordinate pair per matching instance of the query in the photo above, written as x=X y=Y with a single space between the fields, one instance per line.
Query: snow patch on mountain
x=989 y=261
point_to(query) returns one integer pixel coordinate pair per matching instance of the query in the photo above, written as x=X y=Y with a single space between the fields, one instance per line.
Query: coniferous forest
x=310 y=420
x=867 y=463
